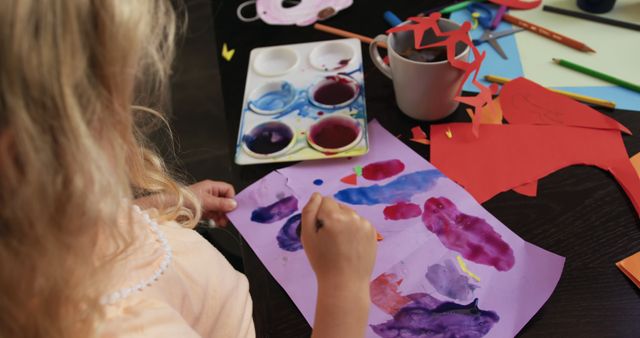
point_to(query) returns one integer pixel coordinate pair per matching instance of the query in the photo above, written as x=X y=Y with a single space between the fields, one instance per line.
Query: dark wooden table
x=580 y=212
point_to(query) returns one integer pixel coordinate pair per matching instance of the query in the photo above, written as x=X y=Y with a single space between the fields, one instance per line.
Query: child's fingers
x=310 y=212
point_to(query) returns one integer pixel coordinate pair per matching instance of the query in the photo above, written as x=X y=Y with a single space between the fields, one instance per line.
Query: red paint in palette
x=335 y=90
x=334 y=132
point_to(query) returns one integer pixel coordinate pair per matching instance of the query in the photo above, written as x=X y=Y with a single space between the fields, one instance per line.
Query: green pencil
x=458 y=6
x=597 y=74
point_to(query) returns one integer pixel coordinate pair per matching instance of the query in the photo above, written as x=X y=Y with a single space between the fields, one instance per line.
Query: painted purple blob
x=289 y=235
x=399 y=190
x=447 y=320
x=380 y=170
x=276 y=211
x=402 y=210
x=449 y=282
x=471 y=236
x=268 y=138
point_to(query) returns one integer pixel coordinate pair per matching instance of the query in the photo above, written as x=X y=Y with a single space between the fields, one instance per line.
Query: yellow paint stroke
x=463 y=266
x=449 y=133
x=226 y=53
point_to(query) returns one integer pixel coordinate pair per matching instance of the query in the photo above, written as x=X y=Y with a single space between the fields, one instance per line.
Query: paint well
x=468 y=235
x=272 y=97
x=334 y=91
x=269 y=138
x=276 y=211
x=399 y=190
x=334 y=133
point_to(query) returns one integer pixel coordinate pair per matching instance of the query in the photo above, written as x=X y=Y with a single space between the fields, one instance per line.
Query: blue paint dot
x=318 y=182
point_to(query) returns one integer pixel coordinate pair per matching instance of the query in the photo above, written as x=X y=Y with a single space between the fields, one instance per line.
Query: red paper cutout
x=419 y=25
x=528 y=189
x=518 y=4
x=508 y=156
x=418 y=135
x=351 y=179
x=526 y=102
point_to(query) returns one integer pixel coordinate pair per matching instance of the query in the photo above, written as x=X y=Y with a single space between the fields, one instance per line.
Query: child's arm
x=341 y=247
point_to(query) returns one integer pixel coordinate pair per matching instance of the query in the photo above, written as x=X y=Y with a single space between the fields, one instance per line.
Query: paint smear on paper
x=289 y=235
x=399 y=190
x=402 y=210
x=446 y=279
x=318 y=182
x=281 y=209
x=381 y=170
x=464 y=268
x=419 y=319
x=468 y=235
x=385 y=295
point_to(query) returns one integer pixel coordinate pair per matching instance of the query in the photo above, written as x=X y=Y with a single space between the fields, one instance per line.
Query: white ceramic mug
x=424 y=90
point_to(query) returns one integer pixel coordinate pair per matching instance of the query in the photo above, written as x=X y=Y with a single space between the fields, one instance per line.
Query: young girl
x=80 y=256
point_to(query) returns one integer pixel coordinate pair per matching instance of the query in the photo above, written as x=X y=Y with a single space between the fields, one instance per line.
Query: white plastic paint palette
x=303 y=102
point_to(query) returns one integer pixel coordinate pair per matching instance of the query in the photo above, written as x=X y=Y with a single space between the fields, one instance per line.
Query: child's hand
x=216 y=198
x=341 y=246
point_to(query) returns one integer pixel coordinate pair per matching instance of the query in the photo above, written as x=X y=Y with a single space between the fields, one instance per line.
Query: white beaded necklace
x=168 y=255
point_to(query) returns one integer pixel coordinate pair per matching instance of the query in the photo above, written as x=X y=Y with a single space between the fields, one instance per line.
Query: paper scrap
x=635 y=161
x=358 y=170
x=518 y=4
x=448 y=133
x=350 y=179
x=630 y=266
x=226 y=53
x=520 y=154
x=490 y=114
x=528 y=189
x=419 y=136
x=526 y=102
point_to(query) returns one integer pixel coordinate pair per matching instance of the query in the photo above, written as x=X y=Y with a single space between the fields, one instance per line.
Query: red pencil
x=565 y=40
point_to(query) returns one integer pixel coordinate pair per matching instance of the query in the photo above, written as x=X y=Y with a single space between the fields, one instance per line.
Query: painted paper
x=417 y=282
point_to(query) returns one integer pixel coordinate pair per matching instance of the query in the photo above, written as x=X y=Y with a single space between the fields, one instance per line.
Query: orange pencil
x=565 y=40
x=346 y=34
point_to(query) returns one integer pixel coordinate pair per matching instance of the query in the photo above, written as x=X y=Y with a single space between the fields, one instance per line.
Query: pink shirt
x=199 y=294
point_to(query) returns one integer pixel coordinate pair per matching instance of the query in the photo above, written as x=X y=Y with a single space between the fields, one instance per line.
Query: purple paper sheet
x=430 y=225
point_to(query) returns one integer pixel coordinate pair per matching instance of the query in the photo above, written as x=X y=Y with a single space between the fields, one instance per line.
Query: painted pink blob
x=468 y=235
x=402 y=210
x=380 y=170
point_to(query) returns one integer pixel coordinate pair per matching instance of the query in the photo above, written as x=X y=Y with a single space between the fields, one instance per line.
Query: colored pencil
x=458 y=6
x=346 y=34
x=565 y=40
x=577 y=97
x=498 y=18
x=591 y=17
x=598 y=75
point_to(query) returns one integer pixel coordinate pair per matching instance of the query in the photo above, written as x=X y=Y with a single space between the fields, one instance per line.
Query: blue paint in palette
x=275 y=100
x=399 y=190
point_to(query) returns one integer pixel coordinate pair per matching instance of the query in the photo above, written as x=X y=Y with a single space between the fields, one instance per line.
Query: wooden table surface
x=580 y=212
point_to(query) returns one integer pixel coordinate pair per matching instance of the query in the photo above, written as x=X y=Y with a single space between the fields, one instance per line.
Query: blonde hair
x=72 y=148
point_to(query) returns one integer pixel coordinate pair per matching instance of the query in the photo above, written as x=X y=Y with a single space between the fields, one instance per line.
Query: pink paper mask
x=304 y=13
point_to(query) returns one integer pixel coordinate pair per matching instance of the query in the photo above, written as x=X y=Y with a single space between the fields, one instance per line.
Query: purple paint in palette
x=471 y=236
x=276 y=211
x=268 y=138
